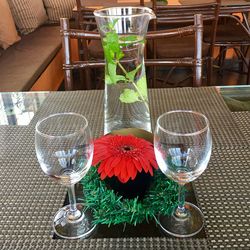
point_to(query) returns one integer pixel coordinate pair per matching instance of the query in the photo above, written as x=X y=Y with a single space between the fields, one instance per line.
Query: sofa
x=32 y=60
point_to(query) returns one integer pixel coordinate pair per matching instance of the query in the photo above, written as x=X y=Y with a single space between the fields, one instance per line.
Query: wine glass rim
x=57 y=114
x=98 y=12
x=184 y=134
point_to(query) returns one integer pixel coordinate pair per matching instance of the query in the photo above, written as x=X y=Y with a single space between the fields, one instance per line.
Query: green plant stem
x=142 y=98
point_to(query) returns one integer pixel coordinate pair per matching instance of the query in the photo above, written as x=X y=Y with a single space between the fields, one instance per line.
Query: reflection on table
x=18 y=108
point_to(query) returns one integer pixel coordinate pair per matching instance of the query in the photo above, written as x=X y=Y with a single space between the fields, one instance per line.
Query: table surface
x=29 y=199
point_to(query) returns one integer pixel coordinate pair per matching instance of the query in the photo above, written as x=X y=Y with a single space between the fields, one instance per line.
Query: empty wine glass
x=64 y=150
x=183 y=144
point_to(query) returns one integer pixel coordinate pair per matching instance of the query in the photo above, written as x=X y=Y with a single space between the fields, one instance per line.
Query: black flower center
x=127 y=148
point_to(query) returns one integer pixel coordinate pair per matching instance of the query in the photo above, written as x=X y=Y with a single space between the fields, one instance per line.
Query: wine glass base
x=183 y=227
x=69 y=229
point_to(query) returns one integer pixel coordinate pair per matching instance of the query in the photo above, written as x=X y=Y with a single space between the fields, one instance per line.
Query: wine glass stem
x=181 y=211
x=73 y=213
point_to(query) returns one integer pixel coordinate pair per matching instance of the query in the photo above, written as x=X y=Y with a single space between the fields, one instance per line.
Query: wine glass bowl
x=64 y=149
x=183 y=144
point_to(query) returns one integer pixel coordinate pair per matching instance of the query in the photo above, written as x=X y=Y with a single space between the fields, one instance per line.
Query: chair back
x=184 y=13
x=85 y=18
x=69 y=64
x=168 y=15
x=179 y=15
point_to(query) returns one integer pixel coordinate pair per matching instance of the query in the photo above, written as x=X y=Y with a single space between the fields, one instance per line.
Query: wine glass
x=64 y=149
x=183 y=145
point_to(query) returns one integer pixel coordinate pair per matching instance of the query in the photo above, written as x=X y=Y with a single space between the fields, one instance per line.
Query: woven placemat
x=106 y=244
x=243 y=121
x=13 y=139
x=29 y=199
x=222 y=193
x=88 y=103
x=205 y=100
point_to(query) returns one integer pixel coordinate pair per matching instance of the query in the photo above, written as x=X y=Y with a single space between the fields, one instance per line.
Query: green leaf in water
x=129 y=38
x=108 y=79
x=111 y=25
x=112 y=77
x=111 y=47
x=142 y=86
x=131 y=75
x=129 y=96
x=112 y=72
x=120 y=78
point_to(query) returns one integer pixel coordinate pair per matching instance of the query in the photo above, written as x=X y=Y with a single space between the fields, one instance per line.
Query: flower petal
x=103 y=175
x=116 y=161
x=137 y=165
x=130 y=168
x=123 y=180
x=111 y=173
x=145 y=164
x=108 y=165
x=151 y=171
x=101 y=167
x=124 y=174
x=153 y=163
x=117 y=169
x=99 y=157
x=133 y=170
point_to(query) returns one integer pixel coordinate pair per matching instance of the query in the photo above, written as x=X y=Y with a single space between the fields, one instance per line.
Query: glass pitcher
x=123 y=31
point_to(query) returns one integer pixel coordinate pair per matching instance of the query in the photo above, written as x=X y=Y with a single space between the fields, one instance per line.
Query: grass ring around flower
x=110 y=208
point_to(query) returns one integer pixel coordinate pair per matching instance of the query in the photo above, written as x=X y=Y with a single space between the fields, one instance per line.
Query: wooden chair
x=194 y=62
x=169 y=16
x=85 y=20
x=233 y=33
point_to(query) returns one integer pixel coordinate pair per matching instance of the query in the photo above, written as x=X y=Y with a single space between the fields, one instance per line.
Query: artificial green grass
x=110 y=208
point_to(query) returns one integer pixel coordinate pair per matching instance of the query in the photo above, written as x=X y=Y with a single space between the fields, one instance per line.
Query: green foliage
x=142 y=86
x=129 y=96
x=112 y=44
x=110 y=208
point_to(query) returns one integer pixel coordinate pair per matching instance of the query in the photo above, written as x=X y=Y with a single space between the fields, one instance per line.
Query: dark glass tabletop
x=18 y=108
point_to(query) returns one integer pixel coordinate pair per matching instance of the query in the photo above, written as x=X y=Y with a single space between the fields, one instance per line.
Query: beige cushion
x=8 y=32
x=59 y=8
x=24 y=62
x=28 y=14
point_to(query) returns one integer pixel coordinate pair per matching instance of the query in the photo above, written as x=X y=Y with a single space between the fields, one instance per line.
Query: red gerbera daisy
x=123 y=156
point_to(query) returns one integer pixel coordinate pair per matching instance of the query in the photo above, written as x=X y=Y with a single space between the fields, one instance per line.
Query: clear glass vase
x=123 y=31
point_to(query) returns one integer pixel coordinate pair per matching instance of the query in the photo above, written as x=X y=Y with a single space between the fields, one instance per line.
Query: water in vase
x=123 y=38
